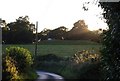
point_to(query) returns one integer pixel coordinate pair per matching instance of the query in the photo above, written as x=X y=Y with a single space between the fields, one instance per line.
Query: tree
x=43 y=35
x=3 y=26
x=79 y=31
x=58 y=33
x=111 y=40
x=79 y=27
x=20 y=31
x=2 y=23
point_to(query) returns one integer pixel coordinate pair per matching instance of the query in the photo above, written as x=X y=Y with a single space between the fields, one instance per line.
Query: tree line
x=79 y=31
x=22 y=31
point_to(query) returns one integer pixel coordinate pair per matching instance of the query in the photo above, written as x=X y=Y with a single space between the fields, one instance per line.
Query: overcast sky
x=52 y=13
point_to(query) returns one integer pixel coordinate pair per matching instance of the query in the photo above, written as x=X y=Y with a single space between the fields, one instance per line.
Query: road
x=46 y=76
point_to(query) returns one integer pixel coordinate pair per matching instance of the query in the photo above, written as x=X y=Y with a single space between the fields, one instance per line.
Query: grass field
x=60 y=48
x=67 y=42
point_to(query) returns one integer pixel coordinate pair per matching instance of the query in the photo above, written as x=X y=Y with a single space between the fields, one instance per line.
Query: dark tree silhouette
x=80 y=31
x=20 y=31
x=43 y=35
x=58 y=33
x=111 y=40
x=3 y=26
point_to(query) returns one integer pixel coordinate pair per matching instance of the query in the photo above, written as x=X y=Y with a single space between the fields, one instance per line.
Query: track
x=46 y=76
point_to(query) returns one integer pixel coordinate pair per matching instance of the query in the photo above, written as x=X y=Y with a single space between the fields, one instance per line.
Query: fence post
x=36 y=39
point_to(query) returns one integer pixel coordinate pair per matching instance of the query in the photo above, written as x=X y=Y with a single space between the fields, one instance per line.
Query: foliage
x=20 y=31
x=58 y=33
x=10 y=71
x=17 y=64
x=89 y=71
x=3 y=26
x=69 y=70
x=22 y=57
x=43 y=35
x=86 y=55
x=111 y=40
x=2 y=23
x=80 y=32
x=84 y=66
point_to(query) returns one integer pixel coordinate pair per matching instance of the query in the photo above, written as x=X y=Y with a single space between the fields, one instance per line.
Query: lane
x=46 y=76
x=50 y=78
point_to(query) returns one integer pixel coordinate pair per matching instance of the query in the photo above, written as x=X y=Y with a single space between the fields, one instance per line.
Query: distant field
x=60 y=48
x=67 y=42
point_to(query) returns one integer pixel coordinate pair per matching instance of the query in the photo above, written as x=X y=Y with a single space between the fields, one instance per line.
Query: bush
x=22 y=57
x=17 y=63
x=9 y=71
x=85 y=56
x=84 y=71
x=84 y=65
x=89 y=71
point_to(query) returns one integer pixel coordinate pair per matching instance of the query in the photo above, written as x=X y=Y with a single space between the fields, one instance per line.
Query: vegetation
x=68 y=42
x=68 y=53
x=80 y=31
x=57 y=56
x=56 y=52
x=58 y=33
x=19 y=55
x=22 y=32
x=69 y=68
x=18 y=32
x=86 y=55
x=111 y=41
x=9 y=71
x=59 y=48
x=17 y=63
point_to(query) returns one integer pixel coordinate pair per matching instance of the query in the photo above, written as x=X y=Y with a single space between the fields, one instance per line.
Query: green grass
x=60 y=48
x=67 y=42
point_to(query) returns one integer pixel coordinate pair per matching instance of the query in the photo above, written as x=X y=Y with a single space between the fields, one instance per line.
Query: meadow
x=59 y=48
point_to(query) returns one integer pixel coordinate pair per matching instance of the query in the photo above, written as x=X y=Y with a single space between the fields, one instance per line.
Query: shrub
x=22 y=57
x=85 y=55
x=84 y=65
x=89 y=71
x=10 y=71
x=16 y=64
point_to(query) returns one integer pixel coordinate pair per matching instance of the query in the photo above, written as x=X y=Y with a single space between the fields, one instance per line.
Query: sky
x=52 y=14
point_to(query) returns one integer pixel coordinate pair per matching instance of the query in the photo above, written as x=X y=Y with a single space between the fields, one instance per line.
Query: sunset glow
x=53 y=13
